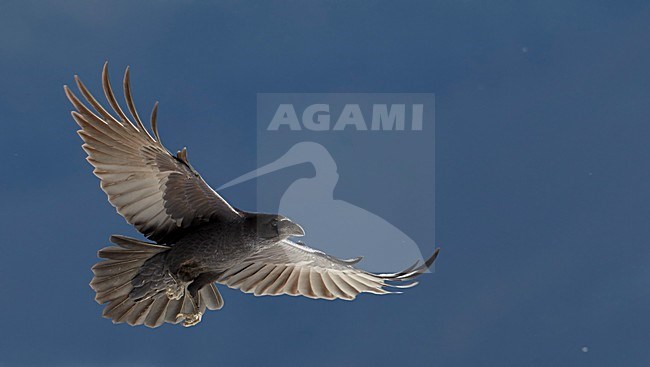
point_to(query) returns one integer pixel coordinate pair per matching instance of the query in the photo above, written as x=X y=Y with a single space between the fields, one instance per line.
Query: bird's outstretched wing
x=155 y=191
x=297 y=270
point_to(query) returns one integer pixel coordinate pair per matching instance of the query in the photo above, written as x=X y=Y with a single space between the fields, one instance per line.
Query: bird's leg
x=194 y=317
x=175 y=289
x=193 y=289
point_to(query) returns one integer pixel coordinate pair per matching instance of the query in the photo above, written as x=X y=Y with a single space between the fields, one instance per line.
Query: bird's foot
x=175 y=293
x=191 y=319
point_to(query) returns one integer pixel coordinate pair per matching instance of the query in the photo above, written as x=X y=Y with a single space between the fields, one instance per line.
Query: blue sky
x=542 y=201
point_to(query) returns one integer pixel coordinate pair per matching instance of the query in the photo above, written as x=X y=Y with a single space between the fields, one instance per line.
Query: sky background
x=542 y=156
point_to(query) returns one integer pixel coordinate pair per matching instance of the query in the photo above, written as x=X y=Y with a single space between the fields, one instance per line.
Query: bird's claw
x=190 y=319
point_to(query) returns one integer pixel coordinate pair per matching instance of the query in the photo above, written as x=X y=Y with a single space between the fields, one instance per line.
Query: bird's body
x=214 y=246
x=207 y=250
x=199 y=238
x=210 y=249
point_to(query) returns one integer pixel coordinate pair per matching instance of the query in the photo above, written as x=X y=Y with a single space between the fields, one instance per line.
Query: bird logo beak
x=288 y=228
x=304 y=152
x=287 y=160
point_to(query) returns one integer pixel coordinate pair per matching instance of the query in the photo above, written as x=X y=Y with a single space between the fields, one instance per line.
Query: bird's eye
x=274 y=223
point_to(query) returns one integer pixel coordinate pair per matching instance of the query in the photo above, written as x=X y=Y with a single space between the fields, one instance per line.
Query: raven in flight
x=200 y=239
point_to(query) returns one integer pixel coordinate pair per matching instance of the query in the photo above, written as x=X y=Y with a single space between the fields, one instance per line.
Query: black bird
x=199 y=238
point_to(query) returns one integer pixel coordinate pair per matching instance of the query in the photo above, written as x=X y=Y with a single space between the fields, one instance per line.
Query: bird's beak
x=288 y=228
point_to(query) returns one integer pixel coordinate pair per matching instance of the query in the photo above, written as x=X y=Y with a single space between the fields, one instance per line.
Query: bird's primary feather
x=153 y=190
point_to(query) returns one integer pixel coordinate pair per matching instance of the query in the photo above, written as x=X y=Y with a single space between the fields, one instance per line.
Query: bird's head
x=275 y=227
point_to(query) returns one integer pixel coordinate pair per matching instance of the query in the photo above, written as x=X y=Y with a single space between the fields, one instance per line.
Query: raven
x=199 y=238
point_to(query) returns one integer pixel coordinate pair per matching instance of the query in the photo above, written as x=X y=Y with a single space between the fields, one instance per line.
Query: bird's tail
x=113 y=285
